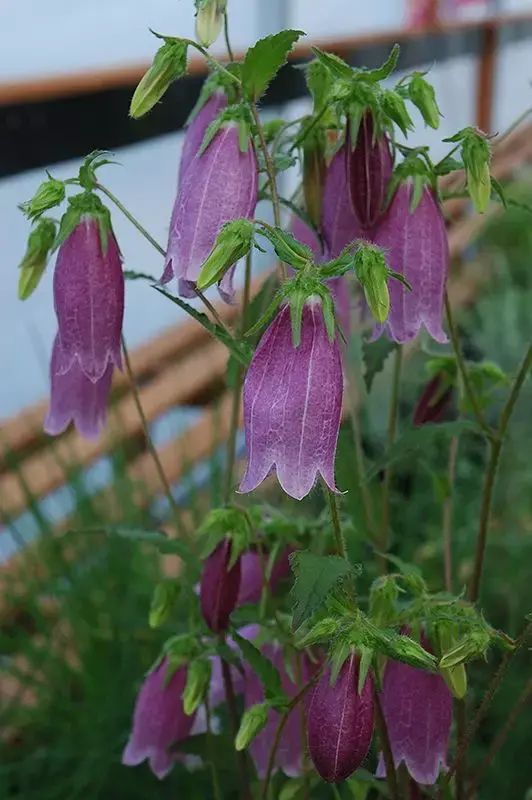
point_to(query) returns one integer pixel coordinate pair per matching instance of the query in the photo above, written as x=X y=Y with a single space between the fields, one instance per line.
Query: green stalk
x=392 y=425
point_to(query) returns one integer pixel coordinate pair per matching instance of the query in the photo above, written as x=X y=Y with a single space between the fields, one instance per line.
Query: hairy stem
x=496 y=444
x=341 y=547
x=448 y=517
x=460 y=715
x=466 y=740
x=392 y=425
x=217 y=792
x=462 y=368
x=384 y=740
x=359 y=453
x=237 y=389
x=149 y=442
x=227 y=37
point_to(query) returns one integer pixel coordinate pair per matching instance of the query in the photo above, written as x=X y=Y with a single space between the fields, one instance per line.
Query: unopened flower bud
x=170 y=63
x=372 y=272
x=340 y=723
x=253 y=721
x=40 y=242
x=162 y=603
x=423 y=96
x=232 y=243
x=435 y=400
x=455 y=677
x=50 y=193
x=209 y=20
x=219 y=588
x=369 y=169
x=476 y=156
x=198 y=681
x=472 y=646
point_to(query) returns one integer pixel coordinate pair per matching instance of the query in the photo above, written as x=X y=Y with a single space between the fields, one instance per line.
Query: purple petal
x=218 y=186
x=340 y=226
x=217 y=689
x=75 y=398
x=89 y=300
x=219 y=587
x=159 y=721
x=251 y=581
x=197 y=129
x=293 y=405
x=418 y=707
x=419 y=251
x=369 y=169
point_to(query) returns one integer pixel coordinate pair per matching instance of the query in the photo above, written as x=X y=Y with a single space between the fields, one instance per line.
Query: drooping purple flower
x=418 y=250
x=434 y=402
x=293 y=404
x=289 y=755
x=198 y=128
x=159 y=721
x=75 y=398
x=340 y=722
x=219 y=587
x=217 y=187
x=339 y=224
x=369 y=167
x=252 y=572
x=89 y=299
x=418 y=709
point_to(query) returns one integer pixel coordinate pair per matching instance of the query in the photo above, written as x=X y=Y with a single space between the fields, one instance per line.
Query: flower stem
x=460 y=715
x=341 y=547
x=468 y=387
x=149 y=442
x=142 y=230
x=384 y=739
x=280 y=728
x=237 y=389
x=522 y=702
x=359 y=453
x=210 y=742
x=227 y=38
x=496 y=444
x=230 y=698
x=392 y=425
x=448 y=517
x=466 y=740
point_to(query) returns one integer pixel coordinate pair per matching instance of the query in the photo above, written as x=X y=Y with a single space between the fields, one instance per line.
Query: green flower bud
x=162 y=603
x=472 y=646
x=209 y=20
x=395 y=107
x=455 y=677
x=288 y=249
x=253 y=721
x=383 y=594
x=197 y=686
x=50 y=193
x=423 y=96
x=40 y=242
x=232 y=243
x=476 y=156
x=170 y=63
x=372 y=272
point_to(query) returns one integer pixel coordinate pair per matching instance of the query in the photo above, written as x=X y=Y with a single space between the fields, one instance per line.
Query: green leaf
x=268 y=674
x=336 y=65
x=264 y=60
x=386 y=69
x=315 y=578
x=319 y=83
x=240 y=350
x=418 y=439
x=447 y=165
x=374 y=356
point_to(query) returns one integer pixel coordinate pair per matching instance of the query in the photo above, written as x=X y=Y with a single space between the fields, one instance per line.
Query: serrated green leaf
x=336 y=65
x=264 y=669
x=386 y=69
x=447 y=165
x=264 y=60
x=418 y=439
x=374 y=356
x=315 y=578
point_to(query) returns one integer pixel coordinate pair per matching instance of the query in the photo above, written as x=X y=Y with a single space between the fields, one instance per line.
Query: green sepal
x=233 y=242
x=169 y=64
x=50 y=194
x=33 y=265
x=197 y=686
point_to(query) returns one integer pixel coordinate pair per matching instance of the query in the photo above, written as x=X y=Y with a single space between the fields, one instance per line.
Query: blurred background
x=74 y=640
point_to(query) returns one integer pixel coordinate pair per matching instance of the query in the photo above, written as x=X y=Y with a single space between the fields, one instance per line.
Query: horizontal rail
x=76 y=83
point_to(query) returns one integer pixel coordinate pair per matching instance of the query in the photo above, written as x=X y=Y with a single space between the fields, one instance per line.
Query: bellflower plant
x=272 y=636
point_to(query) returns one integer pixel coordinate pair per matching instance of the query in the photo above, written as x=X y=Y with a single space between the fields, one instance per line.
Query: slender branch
x=448 y=517
x=149 y=442
x=392 y=424
x=210 y=742
x=359 y=453
x=496 y=444
x=230 y=698
x=384 y=739
x=227 y=38
x=466 y=740
x=470 y=392
x=524 y=698
x=460 y=715
x=237 y=389
x=339 y=537
x=280 y=728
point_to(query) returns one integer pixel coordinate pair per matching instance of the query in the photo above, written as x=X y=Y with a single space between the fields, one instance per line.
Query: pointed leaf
x=261 y=666
x=374 y=356
x=264 y=59
x=315 y=578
